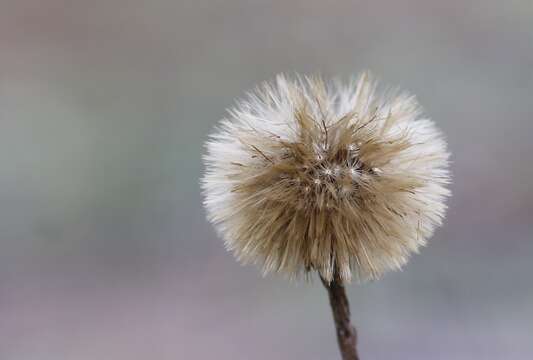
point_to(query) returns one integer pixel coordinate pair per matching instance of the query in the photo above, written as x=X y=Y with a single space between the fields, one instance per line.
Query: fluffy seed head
x=333 y=177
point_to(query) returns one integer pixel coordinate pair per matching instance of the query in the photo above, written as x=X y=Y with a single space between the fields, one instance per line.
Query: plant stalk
x=346 y=333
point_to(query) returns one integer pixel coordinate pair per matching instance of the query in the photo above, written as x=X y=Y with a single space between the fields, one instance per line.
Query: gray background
x=104 y=250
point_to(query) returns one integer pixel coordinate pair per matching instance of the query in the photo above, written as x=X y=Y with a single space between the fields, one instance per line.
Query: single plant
x=305 y=175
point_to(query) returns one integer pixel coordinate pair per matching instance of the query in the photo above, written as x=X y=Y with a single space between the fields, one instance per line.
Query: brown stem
x=346 y=333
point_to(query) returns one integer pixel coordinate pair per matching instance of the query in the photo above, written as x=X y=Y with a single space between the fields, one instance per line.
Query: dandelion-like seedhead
x=306 y=175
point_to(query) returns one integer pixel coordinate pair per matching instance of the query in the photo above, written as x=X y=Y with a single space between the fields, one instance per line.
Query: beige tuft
x=306 y=175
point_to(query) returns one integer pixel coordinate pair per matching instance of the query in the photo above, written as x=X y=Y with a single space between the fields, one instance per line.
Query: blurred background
x=104 y=248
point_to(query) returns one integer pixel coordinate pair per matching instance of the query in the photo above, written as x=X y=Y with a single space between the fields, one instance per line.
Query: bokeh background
x=104 y=250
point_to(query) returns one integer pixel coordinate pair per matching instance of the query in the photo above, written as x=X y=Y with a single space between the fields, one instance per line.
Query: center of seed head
x=331 y=174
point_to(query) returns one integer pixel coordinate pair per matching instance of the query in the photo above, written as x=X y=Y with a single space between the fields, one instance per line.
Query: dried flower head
x=333 y=177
